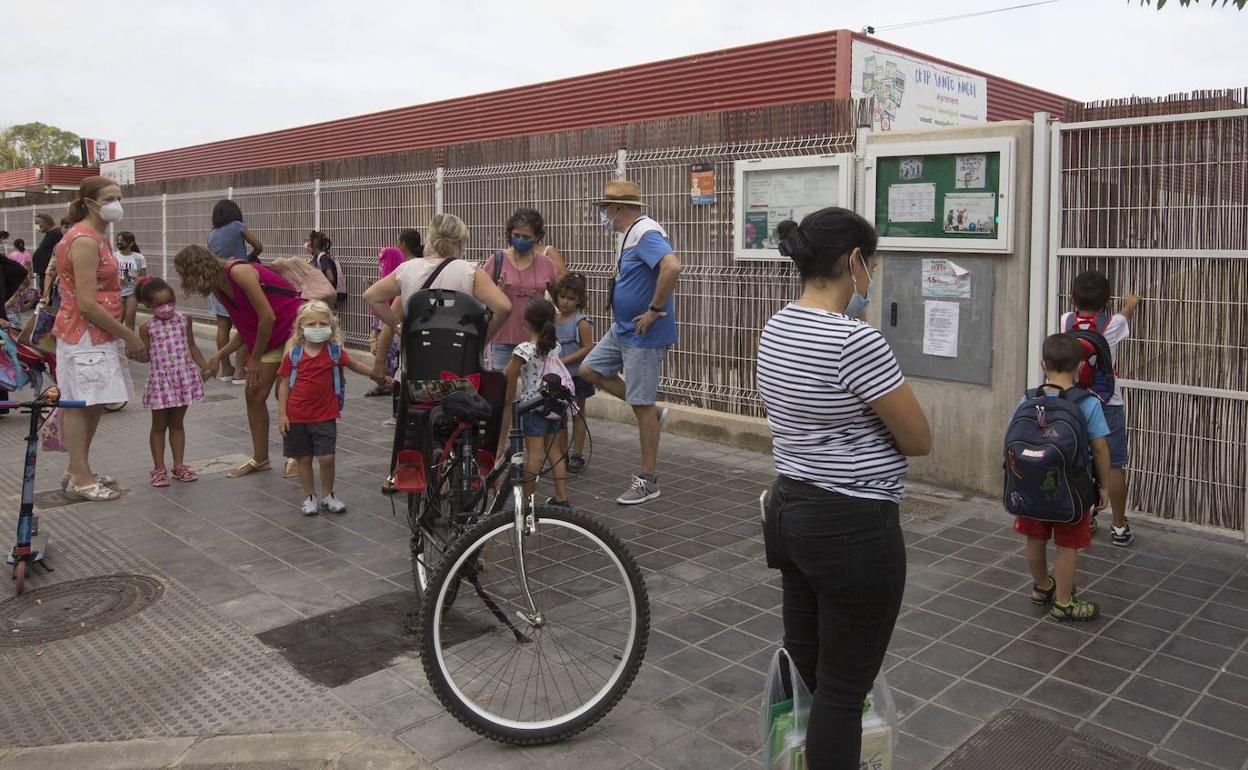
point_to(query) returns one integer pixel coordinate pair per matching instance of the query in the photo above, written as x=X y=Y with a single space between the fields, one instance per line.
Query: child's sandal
x=1041 y=596
x=159 y=477
x=184 y=473
x=1078 y=610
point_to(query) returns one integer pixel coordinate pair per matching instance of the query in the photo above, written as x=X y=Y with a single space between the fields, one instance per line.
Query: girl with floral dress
x=175 y=380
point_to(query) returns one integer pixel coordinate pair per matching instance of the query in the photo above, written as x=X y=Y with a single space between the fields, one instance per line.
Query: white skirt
x=97 y=374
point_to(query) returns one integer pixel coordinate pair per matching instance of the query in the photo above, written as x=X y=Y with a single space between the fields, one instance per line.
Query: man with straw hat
x=644 y=314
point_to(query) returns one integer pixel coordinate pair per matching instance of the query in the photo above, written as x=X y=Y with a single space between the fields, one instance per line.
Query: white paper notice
x=759 y=191
x=943 y=278
x=912 y=203
x=940 y=328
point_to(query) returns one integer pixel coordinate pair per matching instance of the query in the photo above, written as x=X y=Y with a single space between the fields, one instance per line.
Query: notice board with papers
x=943 y=195
x=767 y=191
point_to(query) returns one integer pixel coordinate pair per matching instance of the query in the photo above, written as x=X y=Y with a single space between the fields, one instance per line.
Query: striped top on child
x=817 y=371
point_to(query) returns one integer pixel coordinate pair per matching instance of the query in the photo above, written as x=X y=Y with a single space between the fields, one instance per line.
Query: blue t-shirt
x=227 y=241
x=1093 y=415
x=644 y=248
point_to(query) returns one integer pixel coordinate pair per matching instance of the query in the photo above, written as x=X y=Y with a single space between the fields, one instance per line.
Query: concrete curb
x=320 y=750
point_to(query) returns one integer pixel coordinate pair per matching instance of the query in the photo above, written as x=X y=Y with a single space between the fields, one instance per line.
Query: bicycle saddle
x=465 y=405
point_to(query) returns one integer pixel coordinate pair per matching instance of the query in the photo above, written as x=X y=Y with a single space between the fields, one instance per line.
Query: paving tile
x=1197 y=589
x=957 y=566
x=978 y=592
x=764 y=625
x=1120 y=588
x=695 y=706
x=737 y=731
x=1204 y=573
x=906 y=643
x=919 y=680
x=1157 y=695
x=1178 y=672
x=1232 y=596
x=691 y=627
x=974 y=700
x=375 y=688
x=1174 y=759
x=1093 y=675
x=1005 y=621
x=1212 y=747
x=953 y=606
x=1078 y=702
x=928 y=624
x=1155 y=617
x=1060 y=636
x=977 y=639
x=1230 y=687
x=940 y=726
x=948 y=658
x=694 y=751
x=1197 y=652
x=1133 y=720
x=1033 y=656
x=917 y=754
x=1225 y=614
x=1113 y=653
x=1214 y=633
x=591 y=748
x=1168 y=600
x=1239 y=664
x=736 y=683
x=645 y=731
x=692 y=664
x=1004 y=676
x=1134 y=633
x=1220 y=714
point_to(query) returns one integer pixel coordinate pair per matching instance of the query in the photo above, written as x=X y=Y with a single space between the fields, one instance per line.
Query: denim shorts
x=583 y=389
x=500 y=355
x=535 y=424
x=1116 y=418
x=641 y=367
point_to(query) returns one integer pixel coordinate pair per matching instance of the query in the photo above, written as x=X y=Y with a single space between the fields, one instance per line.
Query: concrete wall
x=969 y=421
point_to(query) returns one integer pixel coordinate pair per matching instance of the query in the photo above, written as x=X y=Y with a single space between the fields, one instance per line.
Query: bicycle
x=577 y=593
x=25 y=553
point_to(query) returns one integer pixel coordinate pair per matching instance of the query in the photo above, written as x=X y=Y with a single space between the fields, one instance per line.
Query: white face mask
x=111 y=212
x=317 y=333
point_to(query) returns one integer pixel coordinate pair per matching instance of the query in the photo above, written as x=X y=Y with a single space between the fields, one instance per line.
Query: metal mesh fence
x=1160 y=206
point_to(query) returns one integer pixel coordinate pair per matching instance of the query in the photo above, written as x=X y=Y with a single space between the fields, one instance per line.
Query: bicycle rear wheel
x=528 y=678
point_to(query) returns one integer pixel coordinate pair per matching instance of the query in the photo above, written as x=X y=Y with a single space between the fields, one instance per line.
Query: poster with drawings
x=970 y=213
x=911 y=169
x=971 y=172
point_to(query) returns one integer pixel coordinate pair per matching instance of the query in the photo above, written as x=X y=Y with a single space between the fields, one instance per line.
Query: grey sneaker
x=562 y=505
x=333 y=504
x=310 y=507
x=642 y=490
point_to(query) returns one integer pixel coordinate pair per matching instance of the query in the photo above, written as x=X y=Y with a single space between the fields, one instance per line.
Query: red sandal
x=183 y=473
x=159 y=477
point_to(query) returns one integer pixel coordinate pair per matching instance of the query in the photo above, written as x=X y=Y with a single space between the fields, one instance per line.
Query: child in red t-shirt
x=308 y=410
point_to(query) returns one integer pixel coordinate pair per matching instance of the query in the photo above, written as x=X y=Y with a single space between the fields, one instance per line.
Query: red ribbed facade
x=801 y=69
x=38 y=178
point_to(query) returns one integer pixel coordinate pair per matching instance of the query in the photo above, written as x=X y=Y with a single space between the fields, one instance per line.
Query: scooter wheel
x=19 y=576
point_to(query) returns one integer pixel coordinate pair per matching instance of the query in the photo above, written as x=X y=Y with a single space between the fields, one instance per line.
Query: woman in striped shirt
x=843 y=421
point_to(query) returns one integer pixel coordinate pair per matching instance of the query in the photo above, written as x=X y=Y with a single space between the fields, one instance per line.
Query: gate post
x=437 y=190
x=164 y=235
x=621 y=163
x=1055 y=221
x=229 y=193
x=316 y=204
x=1040 y=213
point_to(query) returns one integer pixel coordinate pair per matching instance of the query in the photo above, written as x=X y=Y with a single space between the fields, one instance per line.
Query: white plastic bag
x=879 y=728
x=783 y=716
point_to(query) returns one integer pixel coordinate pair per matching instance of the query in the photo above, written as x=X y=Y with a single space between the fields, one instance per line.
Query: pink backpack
x=554 y=365
x=307 y=280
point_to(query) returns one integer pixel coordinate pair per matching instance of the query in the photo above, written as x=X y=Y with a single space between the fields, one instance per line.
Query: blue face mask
x=522 y=245
x=605 y=221
x=858 y=302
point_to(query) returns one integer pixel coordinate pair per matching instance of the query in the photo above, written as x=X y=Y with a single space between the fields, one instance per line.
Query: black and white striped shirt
x=816 y=373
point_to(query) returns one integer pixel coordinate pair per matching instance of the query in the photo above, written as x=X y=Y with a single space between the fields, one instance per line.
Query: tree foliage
x=37 y=144
x=1213 y=3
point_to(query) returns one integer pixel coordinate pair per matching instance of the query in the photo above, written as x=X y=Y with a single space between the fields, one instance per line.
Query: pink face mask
x=166 y=311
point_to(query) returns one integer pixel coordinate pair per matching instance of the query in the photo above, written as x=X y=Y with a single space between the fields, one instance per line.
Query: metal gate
x=1160 y=205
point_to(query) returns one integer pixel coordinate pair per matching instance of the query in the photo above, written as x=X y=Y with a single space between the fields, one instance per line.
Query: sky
x=160 y=75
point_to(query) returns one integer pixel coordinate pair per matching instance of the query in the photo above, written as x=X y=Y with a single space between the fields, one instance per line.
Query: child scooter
x=30 y=546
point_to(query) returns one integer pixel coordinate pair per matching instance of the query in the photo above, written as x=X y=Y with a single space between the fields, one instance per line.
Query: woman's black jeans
x=843 y=564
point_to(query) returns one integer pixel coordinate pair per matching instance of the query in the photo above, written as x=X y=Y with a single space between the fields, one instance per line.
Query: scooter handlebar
x=63 y=403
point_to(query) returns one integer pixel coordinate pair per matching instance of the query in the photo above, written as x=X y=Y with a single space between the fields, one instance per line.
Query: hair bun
x=792 y=243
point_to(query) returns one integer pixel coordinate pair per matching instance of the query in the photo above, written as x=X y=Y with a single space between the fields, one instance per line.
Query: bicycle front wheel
x=528 y=677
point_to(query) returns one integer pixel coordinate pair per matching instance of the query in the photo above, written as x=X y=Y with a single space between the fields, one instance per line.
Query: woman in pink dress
x=175 y=380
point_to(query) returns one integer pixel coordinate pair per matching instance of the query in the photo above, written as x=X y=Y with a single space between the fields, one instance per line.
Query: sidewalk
x=1164 y=673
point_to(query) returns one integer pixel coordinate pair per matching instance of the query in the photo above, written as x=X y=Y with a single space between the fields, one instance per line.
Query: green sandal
x=1077 y=610
x=1042 y=596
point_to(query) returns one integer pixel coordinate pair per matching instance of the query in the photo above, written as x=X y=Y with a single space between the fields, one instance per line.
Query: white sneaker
x=310 y=506
x=333 y=504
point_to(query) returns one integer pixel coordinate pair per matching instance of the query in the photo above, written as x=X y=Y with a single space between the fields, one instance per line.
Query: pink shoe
x=183 y=473
x=159 y=477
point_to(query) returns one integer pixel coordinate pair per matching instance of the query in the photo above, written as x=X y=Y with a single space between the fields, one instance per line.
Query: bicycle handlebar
x=553 y=393
x=63 y=403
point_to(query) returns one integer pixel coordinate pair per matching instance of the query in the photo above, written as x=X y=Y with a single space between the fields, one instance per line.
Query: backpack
x=335 y=355
x=554 y=365
x=1047 y=473
x=309 y=282
x=443 y=331
x=339 y=283
x=13 y=375
x=1096 y=372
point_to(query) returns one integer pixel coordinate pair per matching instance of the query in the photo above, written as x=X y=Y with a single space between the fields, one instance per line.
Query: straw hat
x=622 y=192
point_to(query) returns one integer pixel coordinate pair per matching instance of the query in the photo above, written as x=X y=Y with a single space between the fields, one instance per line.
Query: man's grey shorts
x=310 y=438
x=641 y=367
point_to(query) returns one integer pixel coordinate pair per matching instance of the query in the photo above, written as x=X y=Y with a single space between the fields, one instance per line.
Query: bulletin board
x=768 y=191
x=949 y=196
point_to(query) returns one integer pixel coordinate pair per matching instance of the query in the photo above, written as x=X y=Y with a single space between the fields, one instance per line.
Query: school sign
x=912 y=93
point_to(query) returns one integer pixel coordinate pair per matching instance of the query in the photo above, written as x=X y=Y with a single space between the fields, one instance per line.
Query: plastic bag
x=784 y=713
x=52 y=432
x=785 y=717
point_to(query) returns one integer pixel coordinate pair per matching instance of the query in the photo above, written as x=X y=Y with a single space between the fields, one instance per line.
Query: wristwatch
x=658 y=310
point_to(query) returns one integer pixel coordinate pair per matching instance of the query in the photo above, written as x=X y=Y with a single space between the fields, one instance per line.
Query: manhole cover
x=74 y=607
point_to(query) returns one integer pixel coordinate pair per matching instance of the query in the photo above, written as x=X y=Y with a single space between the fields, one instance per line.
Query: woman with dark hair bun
x=843 y=420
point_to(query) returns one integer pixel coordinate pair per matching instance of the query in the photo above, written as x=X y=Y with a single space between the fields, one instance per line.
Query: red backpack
x=1096 y=372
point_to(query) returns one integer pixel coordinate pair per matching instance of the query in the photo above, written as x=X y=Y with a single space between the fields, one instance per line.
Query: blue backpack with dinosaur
x=1048 y=473
x=335 y=355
